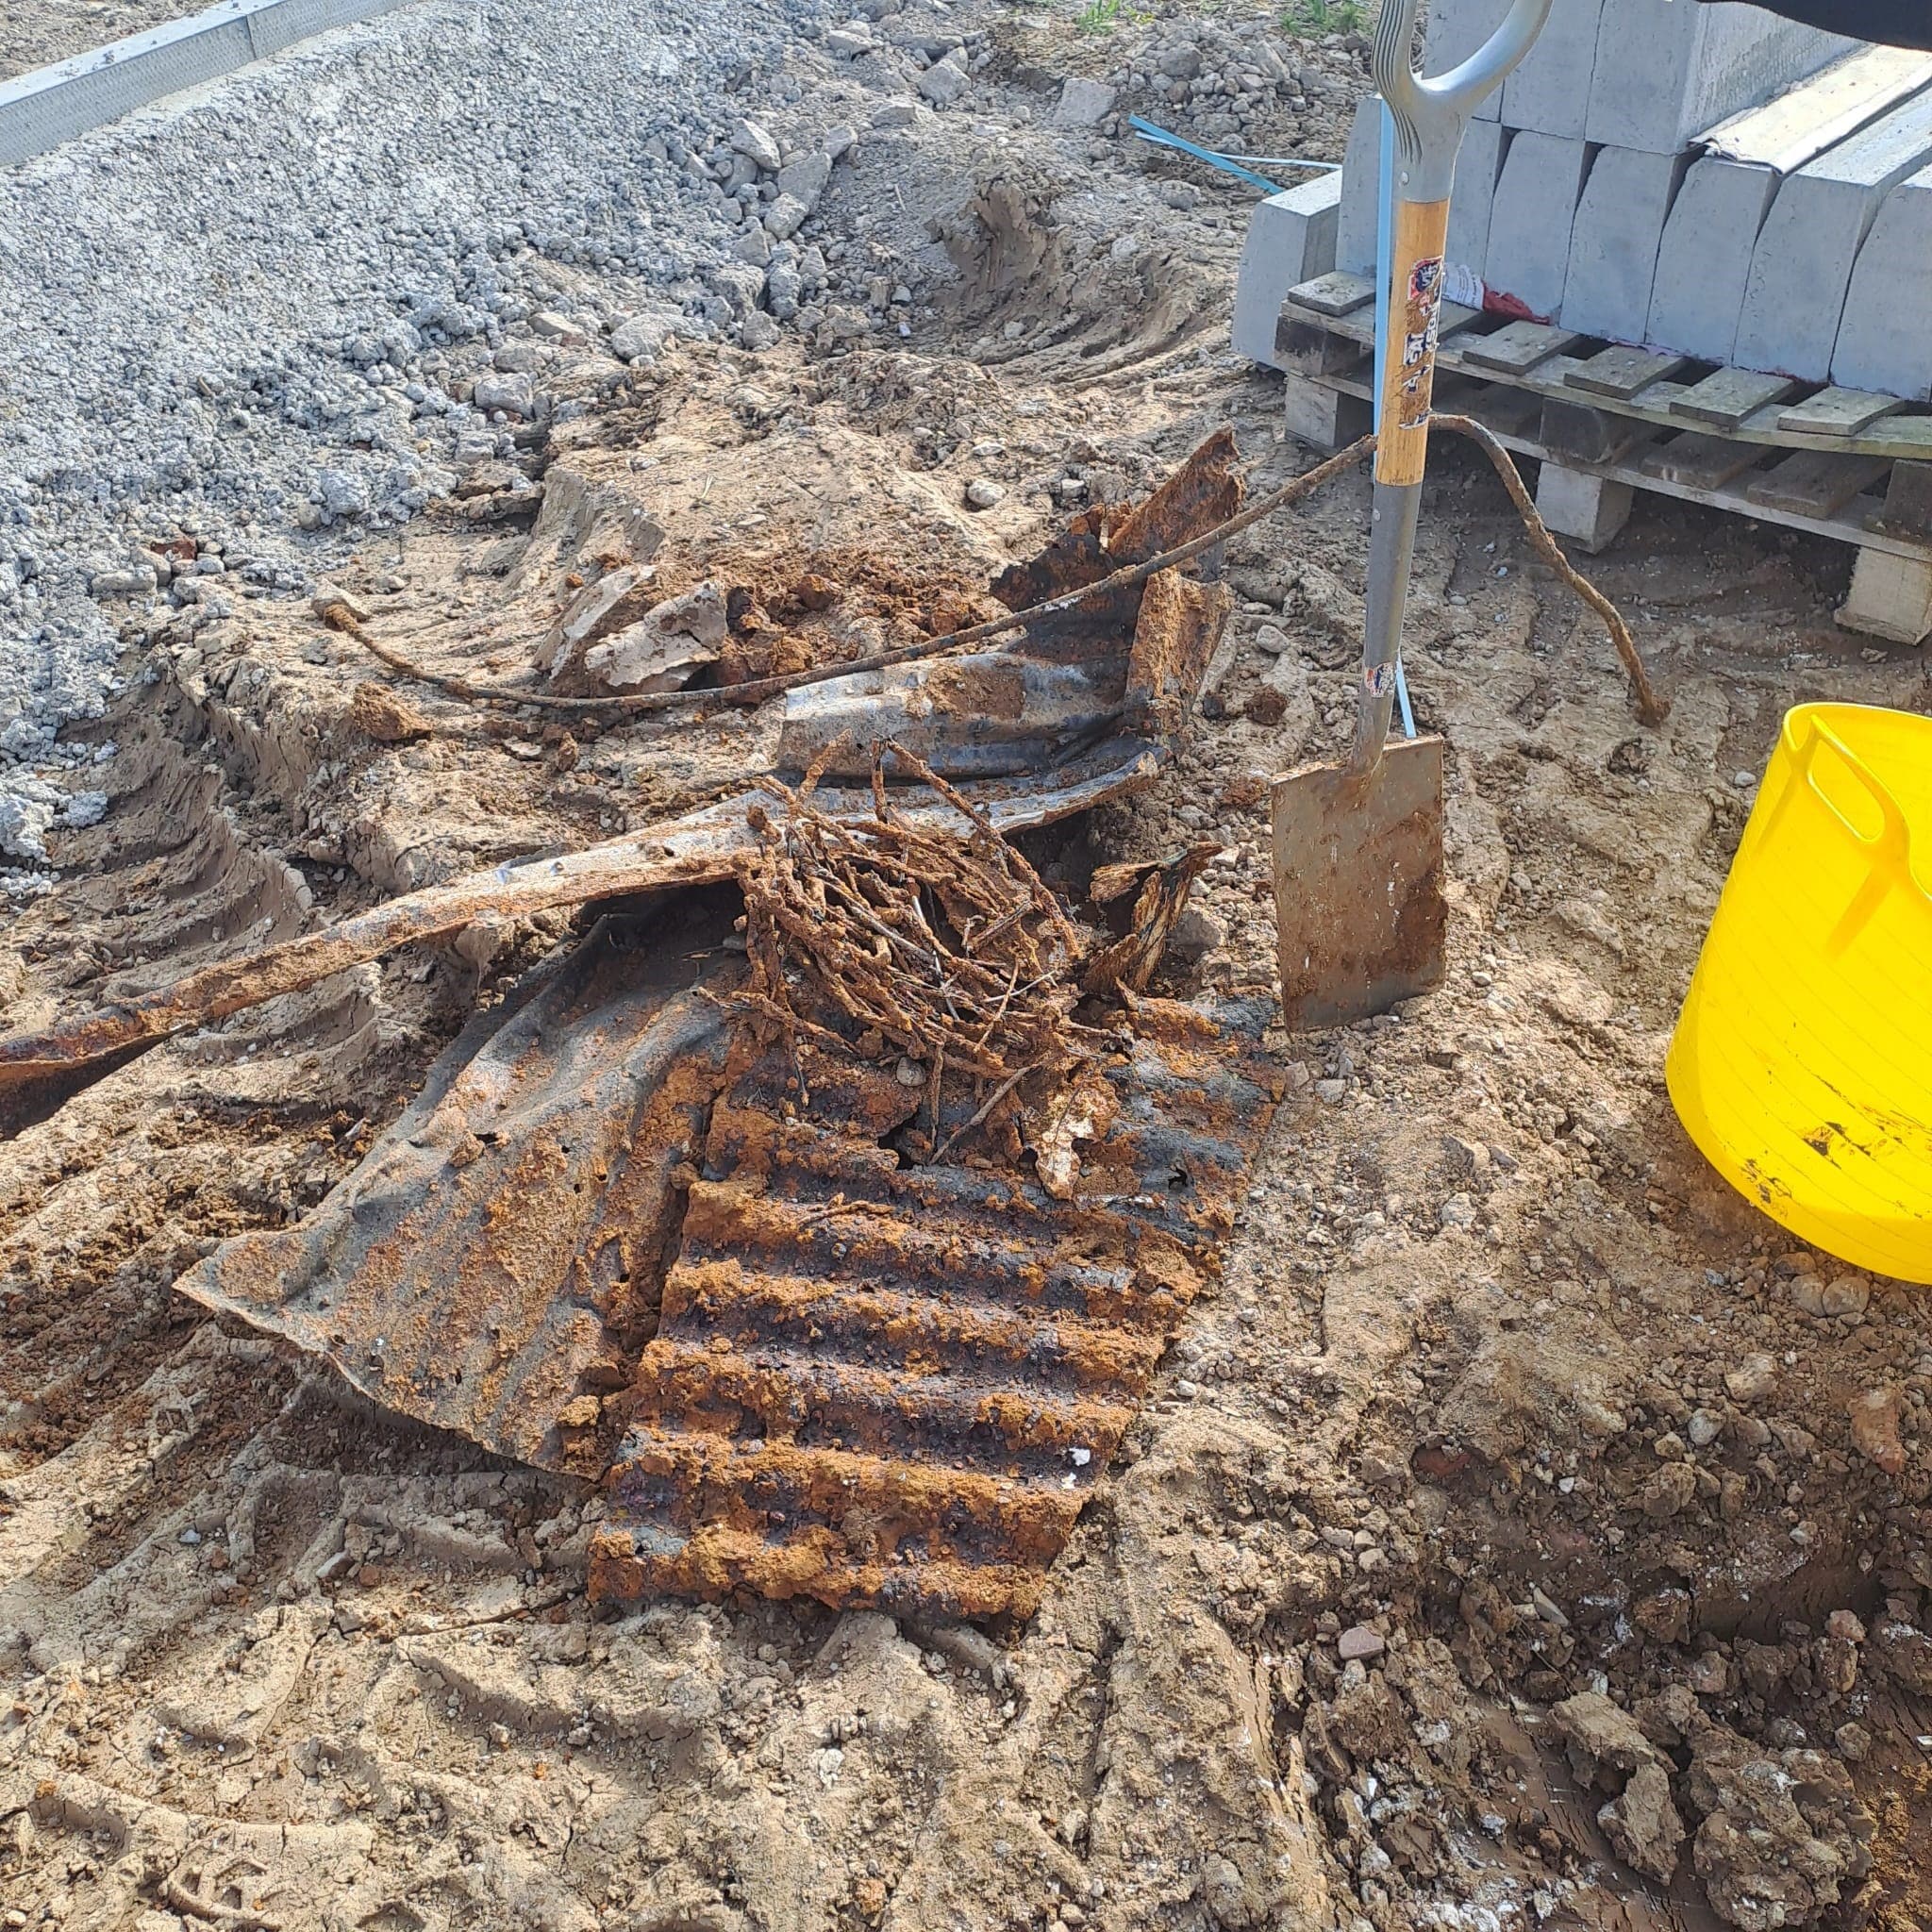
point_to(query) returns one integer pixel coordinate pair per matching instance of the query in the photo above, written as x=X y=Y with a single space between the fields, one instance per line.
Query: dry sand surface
x=1524 y=1533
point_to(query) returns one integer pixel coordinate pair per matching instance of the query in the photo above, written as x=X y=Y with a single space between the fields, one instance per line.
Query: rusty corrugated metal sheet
x=875 y=1374
x=496 y=1256
x=877 y=1383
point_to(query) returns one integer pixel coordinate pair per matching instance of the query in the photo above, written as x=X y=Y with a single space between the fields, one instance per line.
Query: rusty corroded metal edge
x=896 y=1385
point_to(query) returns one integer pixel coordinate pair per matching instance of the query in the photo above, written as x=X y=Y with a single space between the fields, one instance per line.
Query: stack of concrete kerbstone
x=1708 y=180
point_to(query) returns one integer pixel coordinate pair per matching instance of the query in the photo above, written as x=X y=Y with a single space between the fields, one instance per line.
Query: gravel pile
x=301 y=299
x=1237 y=90
x=248 y=325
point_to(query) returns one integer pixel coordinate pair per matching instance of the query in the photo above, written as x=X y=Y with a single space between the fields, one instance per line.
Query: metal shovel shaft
x=1360 y=915
x=1431 y=117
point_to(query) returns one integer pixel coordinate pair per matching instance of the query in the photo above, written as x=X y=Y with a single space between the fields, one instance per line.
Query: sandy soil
x=1499 y=1550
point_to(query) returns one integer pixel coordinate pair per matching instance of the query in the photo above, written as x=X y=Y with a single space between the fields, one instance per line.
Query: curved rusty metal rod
x=755 y=691
x=1650 y=709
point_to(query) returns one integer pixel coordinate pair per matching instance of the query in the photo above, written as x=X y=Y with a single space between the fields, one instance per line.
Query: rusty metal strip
x=883 y=1384
x=704 y=848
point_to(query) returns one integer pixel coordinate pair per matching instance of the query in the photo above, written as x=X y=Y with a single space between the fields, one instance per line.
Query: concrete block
x=51 y=105
x=1614 y=241
x=1667 y=70
x=1456 y=29
x=1477 y=170
x=1891 y=598
x=1800 y=268
x=1549 y=92
x=1358 y=225
x=1588 y=510
x=1884 y=335
x=1290 y=239
x=1528 y=257
x=1704 y=263
x=1798 y=124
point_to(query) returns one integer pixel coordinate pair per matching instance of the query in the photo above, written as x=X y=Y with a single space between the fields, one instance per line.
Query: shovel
x=1358 y=847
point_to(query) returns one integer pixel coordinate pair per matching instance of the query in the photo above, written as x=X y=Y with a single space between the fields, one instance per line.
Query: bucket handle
x=1894 y=835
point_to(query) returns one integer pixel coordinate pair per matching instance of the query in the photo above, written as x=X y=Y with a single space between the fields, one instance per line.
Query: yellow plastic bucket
x=1802 y=1063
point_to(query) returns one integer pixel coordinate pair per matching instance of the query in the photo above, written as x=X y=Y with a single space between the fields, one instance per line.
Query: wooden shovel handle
x=1420 y=232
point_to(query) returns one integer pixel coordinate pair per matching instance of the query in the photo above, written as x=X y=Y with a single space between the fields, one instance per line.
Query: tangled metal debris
x=840 y=1253
x=1145 y=650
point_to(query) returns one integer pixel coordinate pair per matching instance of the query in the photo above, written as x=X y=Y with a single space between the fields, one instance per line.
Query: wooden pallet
x=1606 y=421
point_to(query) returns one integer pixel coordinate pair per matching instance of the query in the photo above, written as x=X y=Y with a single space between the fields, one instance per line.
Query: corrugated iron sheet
x=875 y=1383
x=632 y=1231
x=497 y=1255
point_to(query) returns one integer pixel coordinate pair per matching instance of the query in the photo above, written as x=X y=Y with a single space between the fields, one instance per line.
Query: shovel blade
x=1359 y=885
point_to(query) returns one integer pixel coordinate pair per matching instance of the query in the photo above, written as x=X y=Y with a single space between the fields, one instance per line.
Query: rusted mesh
x=882 y=937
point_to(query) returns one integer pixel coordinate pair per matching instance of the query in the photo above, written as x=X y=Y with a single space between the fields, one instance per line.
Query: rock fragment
x=751 y=140
x=381 y=714
x=1875 y=1417
x=663 y=650
x=1643 y=1824
x=782 y=218
x=1670 y=1491
x=805 y=179
x=942 y=83
x=1845 y=1294
x=1083 y=102
x=1784 y=1836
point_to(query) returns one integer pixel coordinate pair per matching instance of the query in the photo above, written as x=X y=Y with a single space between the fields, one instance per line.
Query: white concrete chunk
x=1528 y=255
x=1705 y=262
x=1290 y=239
x=1477 y=170
x=1549 y=90
x=1357 y=227
x=1800 y=268
x=1884 y=338
x=1666 y=70
x=1614 y=241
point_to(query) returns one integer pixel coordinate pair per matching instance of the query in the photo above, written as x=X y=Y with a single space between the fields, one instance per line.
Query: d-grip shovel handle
x=1429 y=118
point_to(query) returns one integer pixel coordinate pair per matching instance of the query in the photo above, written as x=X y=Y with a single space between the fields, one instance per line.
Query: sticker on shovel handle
x=1422 y=321
x=1378 y=680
